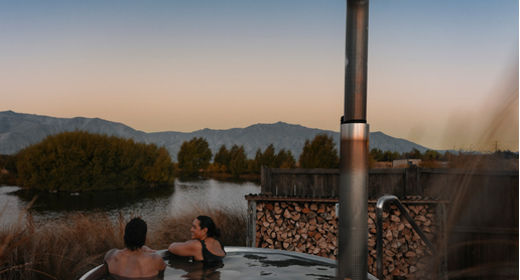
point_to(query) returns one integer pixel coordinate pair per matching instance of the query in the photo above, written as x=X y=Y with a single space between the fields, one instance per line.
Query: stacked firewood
x=312 y=227
x=404 y=253
x=307 y=227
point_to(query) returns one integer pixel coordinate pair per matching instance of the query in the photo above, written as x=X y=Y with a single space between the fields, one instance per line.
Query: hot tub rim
x=237 y=249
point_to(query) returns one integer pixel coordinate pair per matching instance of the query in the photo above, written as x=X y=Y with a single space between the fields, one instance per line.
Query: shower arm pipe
x=382 y=202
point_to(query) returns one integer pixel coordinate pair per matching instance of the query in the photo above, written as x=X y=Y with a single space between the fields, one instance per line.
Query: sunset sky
x=442 y=73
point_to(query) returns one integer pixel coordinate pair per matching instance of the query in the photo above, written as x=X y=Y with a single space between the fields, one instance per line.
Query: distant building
x=403 y=163
x=381 y=164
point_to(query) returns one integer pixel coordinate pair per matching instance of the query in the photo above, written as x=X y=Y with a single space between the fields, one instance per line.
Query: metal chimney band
x=354 y=131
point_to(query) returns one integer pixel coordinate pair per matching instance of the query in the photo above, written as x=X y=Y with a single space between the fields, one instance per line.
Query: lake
x=151 y=205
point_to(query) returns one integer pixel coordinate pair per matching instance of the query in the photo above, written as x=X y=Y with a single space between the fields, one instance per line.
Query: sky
x=443 y=73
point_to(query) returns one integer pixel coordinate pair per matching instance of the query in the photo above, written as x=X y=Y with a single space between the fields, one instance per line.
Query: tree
x=320 y=153
x=376 y=154
x=7 y=170
x=447 y=156
x=194 y=155
x=161 y=168
x=390 y=156
x=238 y=160
x=431 y=155
x=222 y=157
x=285 y=159
x=414 y=153
x=8 y=162
x=256 y=163
x=266 y=158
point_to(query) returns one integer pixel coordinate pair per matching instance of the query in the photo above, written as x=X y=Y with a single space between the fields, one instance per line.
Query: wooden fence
x=482 y=216
x=442 y=184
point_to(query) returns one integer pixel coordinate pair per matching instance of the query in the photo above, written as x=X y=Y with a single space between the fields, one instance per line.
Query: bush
x=80 y=161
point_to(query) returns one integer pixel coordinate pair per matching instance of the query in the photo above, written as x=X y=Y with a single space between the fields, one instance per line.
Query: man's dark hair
x=207 y=222
x=135 y=234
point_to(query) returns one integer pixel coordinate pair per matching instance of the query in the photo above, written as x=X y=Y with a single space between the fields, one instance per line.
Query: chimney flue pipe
x=356 y=61
x=353 y=194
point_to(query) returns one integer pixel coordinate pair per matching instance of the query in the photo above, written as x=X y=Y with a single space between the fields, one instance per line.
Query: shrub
x=80 y=161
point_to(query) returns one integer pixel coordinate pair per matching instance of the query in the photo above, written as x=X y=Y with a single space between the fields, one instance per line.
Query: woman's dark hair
x=135 y=234
x=207 y=222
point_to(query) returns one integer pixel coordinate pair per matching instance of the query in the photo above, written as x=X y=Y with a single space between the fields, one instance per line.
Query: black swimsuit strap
x=203 y=245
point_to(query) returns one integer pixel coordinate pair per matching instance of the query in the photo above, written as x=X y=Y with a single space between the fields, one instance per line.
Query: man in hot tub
x=136 y=261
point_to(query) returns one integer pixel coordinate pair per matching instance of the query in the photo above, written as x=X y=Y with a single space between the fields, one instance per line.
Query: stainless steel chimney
x=353 y=194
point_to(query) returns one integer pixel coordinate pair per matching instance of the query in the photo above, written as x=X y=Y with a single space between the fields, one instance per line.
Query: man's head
x=135 y=234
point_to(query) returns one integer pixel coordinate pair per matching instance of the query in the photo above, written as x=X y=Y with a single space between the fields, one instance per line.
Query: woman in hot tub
x=204 y=245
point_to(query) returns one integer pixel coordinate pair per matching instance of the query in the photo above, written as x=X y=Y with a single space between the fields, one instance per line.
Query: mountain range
x=18 y=130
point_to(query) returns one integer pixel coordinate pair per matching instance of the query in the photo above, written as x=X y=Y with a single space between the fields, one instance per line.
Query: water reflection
x=10 y=206
x=211 y=194
x=91 y=201
x=183 y=269
x=152 y=205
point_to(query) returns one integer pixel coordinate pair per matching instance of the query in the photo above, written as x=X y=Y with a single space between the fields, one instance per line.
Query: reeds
x=68 y=247
x=61 y=249
x=176 y=229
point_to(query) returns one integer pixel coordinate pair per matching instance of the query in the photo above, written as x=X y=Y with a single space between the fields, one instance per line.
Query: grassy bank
x=67 y=248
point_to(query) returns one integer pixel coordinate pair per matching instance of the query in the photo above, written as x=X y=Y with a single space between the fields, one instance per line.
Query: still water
x=243 y=263
x=257 y=264
x=183 y=197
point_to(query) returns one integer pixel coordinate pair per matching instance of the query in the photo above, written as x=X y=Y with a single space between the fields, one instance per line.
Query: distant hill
x=19 y=130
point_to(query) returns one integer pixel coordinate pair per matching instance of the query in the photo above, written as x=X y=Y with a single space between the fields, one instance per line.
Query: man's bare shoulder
x=153 y=255
x=155 y=260
x=111 y=254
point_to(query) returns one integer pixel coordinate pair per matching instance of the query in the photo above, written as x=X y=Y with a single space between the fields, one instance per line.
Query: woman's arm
x=186 y=249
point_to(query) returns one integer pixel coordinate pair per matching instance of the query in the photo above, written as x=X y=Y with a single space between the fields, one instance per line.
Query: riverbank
x=9 y=179
x=227 y=177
